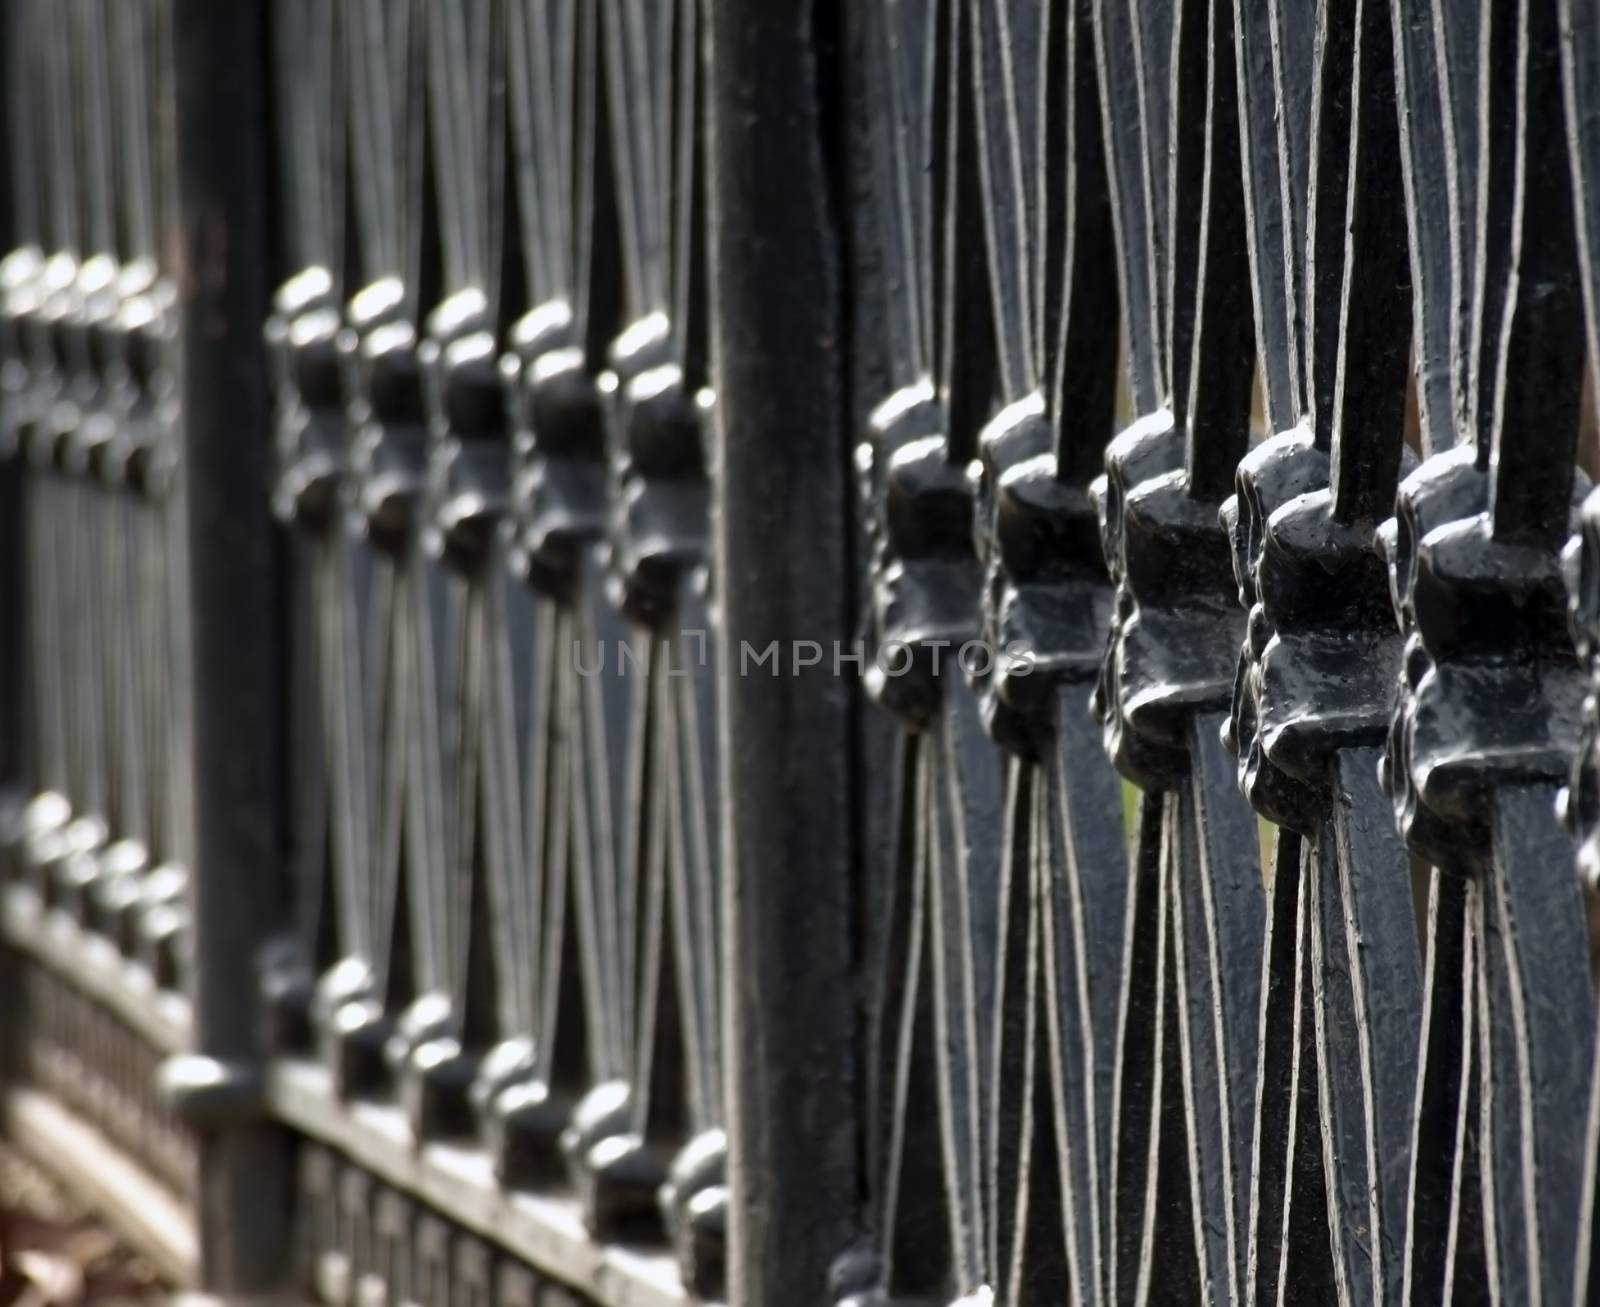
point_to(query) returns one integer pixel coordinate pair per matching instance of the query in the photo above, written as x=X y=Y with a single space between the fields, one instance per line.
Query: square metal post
x=231 y=644
x=783 y=573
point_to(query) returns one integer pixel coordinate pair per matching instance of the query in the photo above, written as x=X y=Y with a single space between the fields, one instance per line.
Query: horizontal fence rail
x=794 y=651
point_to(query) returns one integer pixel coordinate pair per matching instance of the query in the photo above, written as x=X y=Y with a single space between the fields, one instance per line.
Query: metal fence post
x=782 y=565
x=220 y=156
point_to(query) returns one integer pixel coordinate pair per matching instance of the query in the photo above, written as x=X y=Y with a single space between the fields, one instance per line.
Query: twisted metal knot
x=925 y=579
x=38 y=306
x=301 y=337
x=94 y=368
x=694 y=1203
x=1046 y=595
x=143 y=456
x=1490 y=689
x=663 y=494
x=469 y=473
x=558 y=449
x=385 y=416
x=1268 y=477
x=1312 y=674
x=73 y=433
x=1175 y=625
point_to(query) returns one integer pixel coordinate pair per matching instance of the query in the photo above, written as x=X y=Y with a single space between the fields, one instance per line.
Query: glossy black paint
x=516 y=755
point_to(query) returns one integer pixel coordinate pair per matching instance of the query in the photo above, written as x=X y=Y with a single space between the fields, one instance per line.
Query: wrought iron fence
x=649 y=642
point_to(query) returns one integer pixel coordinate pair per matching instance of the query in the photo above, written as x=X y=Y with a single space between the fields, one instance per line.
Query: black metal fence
x=652 y=644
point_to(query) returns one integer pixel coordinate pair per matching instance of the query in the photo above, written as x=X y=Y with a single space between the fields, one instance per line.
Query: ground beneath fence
x=54 y=1252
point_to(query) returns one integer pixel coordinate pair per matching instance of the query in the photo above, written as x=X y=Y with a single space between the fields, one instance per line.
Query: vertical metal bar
x=1169 y=659
x=366 y=589
x=1063 y=872
x=231 y=636
x=1536 y=1049
x=561 y=177
x=783 y=559
x=1312 y=691
x=328 y=813
x=1490 y=697
x=646 y=1142
x=468 y=458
